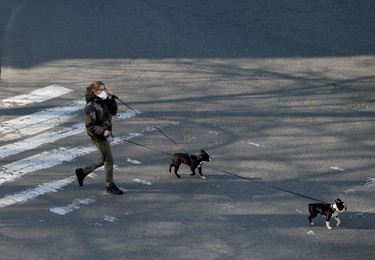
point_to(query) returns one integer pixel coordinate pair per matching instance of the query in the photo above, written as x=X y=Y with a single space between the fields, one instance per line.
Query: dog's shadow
x=352 y=220
x=358 y=220
x=349 y=220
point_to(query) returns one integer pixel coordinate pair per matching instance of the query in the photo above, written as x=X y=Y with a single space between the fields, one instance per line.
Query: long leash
x=140 y=115
x=226 y=172
x=147 y=147
x=266 y=184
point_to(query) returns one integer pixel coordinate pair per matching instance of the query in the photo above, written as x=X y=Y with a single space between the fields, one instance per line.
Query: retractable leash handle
x=157 y=128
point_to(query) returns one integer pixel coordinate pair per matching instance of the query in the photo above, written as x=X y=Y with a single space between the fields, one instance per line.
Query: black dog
x=193 y=161
x=327 y=210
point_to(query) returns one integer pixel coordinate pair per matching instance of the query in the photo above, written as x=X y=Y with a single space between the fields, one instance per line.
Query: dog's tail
x=310 y=206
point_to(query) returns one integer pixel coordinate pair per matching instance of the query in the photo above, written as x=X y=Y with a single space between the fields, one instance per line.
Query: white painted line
x=40 y=121
x=370 y=182
x=310 y=232
x=49 y=159
x=39 y=140
x=133 y=161
x=71 y=207
x=110 y=219
x=45 y=160
x=128 y=114
x=141 y=181
x=35 y=192
x=36 y=96
x=336 y=168
x=48 y=137
x=255 y=144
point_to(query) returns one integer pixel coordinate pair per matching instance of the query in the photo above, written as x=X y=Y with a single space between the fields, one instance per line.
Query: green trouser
x=106 y=159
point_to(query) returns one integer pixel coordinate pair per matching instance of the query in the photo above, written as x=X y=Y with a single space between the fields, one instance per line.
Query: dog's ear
x=202 y=151
x=338 y=200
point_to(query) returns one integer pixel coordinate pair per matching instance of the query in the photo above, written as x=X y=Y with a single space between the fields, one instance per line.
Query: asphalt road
x=280 y=93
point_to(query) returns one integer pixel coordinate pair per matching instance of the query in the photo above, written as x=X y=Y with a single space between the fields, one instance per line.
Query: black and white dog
x=193 y=161
x=327 y=210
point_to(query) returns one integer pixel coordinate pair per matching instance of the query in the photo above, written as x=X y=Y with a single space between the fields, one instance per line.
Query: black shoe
x=112 y=189
x=80 y=176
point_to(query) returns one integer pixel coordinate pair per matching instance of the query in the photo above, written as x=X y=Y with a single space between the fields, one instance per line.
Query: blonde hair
x=96 y=85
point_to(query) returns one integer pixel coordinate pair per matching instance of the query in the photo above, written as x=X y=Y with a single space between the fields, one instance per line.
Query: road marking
x=110 y=218
x=336 y=168
x=33 y=193
x=44 y=160
x=72 y=206
x=48 y=137
x=36 y=96
x=39 y=121
x=132 y=161
x=370 y=182
x=39 y=140
x=310 y=232
x=142 y=181
x=51 y=158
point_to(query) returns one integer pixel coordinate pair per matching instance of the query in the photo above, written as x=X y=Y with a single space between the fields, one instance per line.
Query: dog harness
x=192 y=160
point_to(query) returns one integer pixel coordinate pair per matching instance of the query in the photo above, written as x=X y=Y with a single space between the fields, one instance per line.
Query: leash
x=226 y=172
x=154 y=126
x=268 y=185
x=147 y=147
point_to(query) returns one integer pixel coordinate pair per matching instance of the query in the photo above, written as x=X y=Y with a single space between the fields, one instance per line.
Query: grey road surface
x=280 y=93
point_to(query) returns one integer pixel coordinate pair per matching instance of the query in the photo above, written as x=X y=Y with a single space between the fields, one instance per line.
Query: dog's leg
x=170 y=167
x=328 y=217
x=192 y=171
x=334 y=215
x=175 y=170
x=327 y=225
x=311 y=222
x=338 y=221
x=200 y=171
x=312 y=214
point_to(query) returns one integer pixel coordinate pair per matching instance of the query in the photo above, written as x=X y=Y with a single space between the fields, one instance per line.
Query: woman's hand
x=109 y=94
x=107 y=133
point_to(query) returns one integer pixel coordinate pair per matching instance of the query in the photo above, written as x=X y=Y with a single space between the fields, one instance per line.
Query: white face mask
x=103 y=95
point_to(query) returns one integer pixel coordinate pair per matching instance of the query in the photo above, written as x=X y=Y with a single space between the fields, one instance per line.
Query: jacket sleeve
x=93 y=129
x=112 y=106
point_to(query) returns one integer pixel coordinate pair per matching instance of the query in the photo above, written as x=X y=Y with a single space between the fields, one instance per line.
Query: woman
x=100 y=107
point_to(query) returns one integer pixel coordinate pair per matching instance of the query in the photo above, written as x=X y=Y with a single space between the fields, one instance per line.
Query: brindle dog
x=193 y=161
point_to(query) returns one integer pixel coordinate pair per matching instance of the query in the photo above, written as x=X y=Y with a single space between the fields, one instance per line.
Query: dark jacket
x=98 y=115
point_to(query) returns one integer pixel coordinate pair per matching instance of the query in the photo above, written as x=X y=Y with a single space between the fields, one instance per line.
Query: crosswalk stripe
x=72 y=206
x=49 y=159
x=32 y=193
x=39 y=121
x=39 y=140
x=46 y=160
x=36 y=96
x=49 y=137
x=29 y=125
